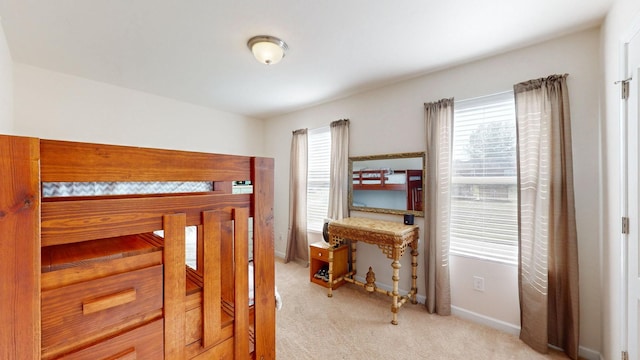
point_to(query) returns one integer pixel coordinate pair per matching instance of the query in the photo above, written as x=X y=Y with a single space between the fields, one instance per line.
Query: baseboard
x=485 y=320
x=583 y=352
x=503 y=326
x=279 y=254
x=589 y=354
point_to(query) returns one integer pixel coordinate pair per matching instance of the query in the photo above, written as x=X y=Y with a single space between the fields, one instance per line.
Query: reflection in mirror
x=390 y=183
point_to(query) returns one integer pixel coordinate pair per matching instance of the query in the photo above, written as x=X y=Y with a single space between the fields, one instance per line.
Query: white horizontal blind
x=484 y=197
x=319 y=160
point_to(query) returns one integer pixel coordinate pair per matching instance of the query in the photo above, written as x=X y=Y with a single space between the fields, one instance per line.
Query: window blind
x=484 y=197
x=319 y=160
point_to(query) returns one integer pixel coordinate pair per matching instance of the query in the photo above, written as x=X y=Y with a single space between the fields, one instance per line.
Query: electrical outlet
x=478 y=283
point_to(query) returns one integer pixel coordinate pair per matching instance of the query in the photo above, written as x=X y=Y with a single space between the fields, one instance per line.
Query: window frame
x=476 y=228
x=318 y=177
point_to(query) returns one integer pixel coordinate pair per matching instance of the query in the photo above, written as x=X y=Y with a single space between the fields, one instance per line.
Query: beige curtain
x=339 y=172
x=548 y=267
x=297 y=247
x=439 y=128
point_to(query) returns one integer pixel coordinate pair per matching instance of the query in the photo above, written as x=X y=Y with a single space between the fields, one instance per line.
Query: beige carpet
x=356 y=325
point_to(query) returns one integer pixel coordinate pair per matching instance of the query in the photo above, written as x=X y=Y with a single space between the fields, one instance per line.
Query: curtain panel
x=439 y=131
x=339 y=172
x=548 y=264
x=297 y=247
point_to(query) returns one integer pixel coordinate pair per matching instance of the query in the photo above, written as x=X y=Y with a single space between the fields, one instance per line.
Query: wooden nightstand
x=319 y=256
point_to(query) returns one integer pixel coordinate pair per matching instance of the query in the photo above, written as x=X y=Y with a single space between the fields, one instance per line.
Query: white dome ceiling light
x=267 y=49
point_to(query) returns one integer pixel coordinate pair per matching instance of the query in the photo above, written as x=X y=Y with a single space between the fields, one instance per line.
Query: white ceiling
x=195 y=50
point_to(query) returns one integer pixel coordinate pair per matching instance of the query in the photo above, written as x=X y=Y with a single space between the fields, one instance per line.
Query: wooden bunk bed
x=85 y=277
x=407 y=181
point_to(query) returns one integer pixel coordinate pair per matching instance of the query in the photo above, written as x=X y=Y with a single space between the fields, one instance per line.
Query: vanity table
x=392 y=238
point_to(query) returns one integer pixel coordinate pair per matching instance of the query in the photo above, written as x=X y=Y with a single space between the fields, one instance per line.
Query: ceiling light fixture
x=267 y=49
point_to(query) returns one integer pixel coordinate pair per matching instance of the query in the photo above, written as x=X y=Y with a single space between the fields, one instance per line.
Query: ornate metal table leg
x=353 y=258
x=396 y=277
x=330 y=290
x=414 y=273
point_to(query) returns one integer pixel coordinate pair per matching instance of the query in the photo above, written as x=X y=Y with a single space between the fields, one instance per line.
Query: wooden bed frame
x=86 y=278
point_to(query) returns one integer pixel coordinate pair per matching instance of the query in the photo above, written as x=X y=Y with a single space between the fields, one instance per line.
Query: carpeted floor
x=356 y=325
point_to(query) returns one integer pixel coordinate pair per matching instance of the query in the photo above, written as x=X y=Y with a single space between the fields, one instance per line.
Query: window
x=484 y=195
x=319 y=160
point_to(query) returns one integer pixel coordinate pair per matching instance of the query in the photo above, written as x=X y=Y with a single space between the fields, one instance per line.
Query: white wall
x=6 y=86
x=53 y=105
x=618 y=22
x=391 y=120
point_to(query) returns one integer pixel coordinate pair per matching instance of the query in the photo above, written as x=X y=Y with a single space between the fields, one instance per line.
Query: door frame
x=630 y=174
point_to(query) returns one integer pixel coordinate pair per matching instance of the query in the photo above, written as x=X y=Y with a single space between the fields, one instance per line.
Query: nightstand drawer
x=145 y=342
x=319 y=253
x=90 y=310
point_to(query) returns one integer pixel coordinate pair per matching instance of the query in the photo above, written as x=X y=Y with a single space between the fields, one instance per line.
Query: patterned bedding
x=61 y=189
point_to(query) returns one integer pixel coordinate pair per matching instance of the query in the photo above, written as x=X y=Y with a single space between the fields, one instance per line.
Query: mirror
x=389 y=183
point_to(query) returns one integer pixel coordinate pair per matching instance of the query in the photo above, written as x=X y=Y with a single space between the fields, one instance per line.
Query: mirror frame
x=385 y=157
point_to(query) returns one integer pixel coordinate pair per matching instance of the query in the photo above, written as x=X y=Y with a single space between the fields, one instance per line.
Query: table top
x=380 y=232
x=380 y=226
